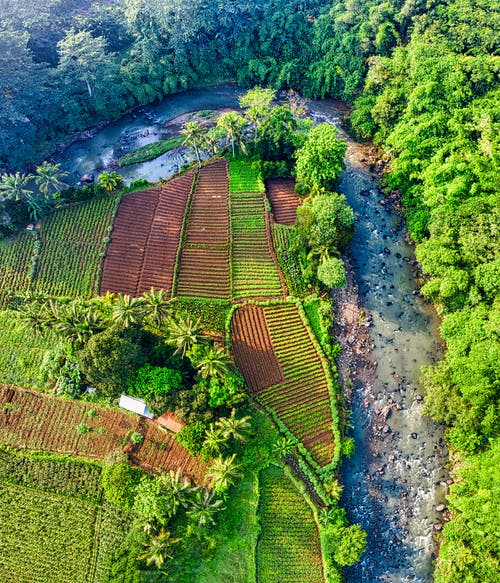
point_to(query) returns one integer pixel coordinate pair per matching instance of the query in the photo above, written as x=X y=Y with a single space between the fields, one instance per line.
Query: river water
x=396 y=478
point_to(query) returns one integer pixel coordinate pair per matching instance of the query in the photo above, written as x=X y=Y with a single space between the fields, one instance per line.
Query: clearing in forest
x=255 y=271
x=32 y=420
x=145 y=239
x=54 y=508
x=204 y=270
x=284 y=201
x=302 y=400
x=288 y=549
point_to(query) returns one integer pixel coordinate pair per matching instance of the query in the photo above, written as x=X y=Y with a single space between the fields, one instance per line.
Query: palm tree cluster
x=18 y=187
x=158 y=502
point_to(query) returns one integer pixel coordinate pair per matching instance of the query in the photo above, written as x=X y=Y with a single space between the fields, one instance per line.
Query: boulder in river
x=87 y=179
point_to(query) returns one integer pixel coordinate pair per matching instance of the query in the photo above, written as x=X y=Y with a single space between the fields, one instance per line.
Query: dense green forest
x=423 y=81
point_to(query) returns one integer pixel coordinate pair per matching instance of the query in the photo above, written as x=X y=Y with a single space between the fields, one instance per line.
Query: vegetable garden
x=288 y=549
x=254 y=269
x=16 y=261
x=68 y=533
x=73 y=242
x=204 y=269
x=284 y=201
x=32 y=420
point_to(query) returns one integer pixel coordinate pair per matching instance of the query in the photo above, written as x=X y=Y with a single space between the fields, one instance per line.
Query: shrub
x=192 y=436
x=118 y=480
x=331 y=272
x=150 y=382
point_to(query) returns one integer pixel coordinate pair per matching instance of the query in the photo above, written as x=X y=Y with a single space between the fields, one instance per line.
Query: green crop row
x=288 y=549
x=16 y=261
x=244 y=178
x=74 y=241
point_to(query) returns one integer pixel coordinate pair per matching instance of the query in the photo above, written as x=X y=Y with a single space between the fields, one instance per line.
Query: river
x=396 y=479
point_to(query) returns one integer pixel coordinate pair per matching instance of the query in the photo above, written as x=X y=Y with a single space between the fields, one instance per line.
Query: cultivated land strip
x=278 y=344
x=33 y=420
x=145 y=238
x=204 y=270
x=284 y=201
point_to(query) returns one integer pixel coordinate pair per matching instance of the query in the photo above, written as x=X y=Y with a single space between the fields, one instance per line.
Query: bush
x=192 y=436
x=228 y=391
x=118 y=480
x=331 y=272
x=151 y=382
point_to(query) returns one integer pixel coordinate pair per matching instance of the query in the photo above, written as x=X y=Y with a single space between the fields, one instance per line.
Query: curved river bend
x=396 y=478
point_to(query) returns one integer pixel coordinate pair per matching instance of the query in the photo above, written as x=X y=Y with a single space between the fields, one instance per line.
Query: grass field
x=48 y=532
x=288 y=550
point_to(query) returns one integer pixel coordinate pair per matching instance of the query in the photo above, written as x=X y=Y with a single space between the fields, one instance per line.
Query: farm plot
x=244 y=178
x=283 y=199
x=16 y=260
x=73 y=243
x=31 y=420
x=161 y=451
x=288 y=549
x=125 y=255
x=54 y=525
x=253 y=350
x=254 y=269
x=163 y=241
x=204 y=270
x=303 y=400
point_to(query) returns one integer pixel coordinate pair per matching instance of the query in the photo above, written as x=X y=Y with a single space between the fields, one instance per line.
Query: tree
x=351 y=546
x=118 y=480
x=49 y=177
x=194 y=135
x=236 y=428
x=204 y=507
x=224 y=472
x=158 y=548
x=157 y=307
x=215 y=441
x=321 y=159
x=331 y=272
x=234 y=125
x=184 y=334
x=212 y=361
x=128 y=311
x=15 y=186
x=110 y=181
x=284 y=446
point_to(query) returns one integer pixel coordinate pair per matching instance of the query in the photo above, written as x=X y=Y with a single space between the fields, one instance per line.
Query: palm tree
x=49 y=176
x=14 y=186
x=212 y=138
x=333 y=488
x=176 y=488
x=76 y=322
x=110 y=181
x=204 y=507
x=224 y=472
x=128 y=311
x=234 y=125
x=283 y=446
x=215 y=441
x=233 y=427
x=185 y=334
x=158 y=548
x=194 y=136
x=213 y=362
x=157 y=306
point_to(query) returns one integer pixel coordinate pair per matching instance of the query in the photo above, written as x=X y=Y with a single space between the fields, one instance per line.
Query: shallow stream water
x=396 y=478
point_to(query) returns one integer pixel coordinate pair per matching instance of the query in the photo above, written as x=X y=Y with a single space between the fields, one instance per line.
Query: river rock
x=440 y=508
x=414 y=436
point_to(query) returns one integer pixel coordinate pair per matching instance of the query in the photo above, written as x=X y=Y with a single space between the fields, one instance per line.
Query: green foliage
x=192 y=436
x=150 y=151
x=331 y=273
x=288 y=548
x=211 y=313
x=470 y=540
x=243 y=177
x=150 y=382
x=321 y=159
x=227 y=391
x=108 y=358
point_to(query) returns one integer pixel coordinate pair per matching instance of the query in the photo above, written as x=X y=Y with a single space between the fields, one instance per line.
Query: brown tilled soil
x=204 y=267
x=145 y=238
x=283 y=199
x=33 y=420
x=253 y=350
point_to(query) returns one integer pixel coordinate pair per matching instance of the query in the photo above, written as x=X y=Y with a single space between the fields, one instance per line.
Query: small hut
x=136 y=406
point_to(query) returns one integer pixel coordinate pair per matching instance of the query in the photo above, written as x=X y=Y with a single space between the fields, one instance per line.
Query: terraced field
x=284 y=201
x=288 y=549
x=302 y=399
x=16 y=259
x=204 y=270
x=145 y=239
x=255 y=271
x=32 y=420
